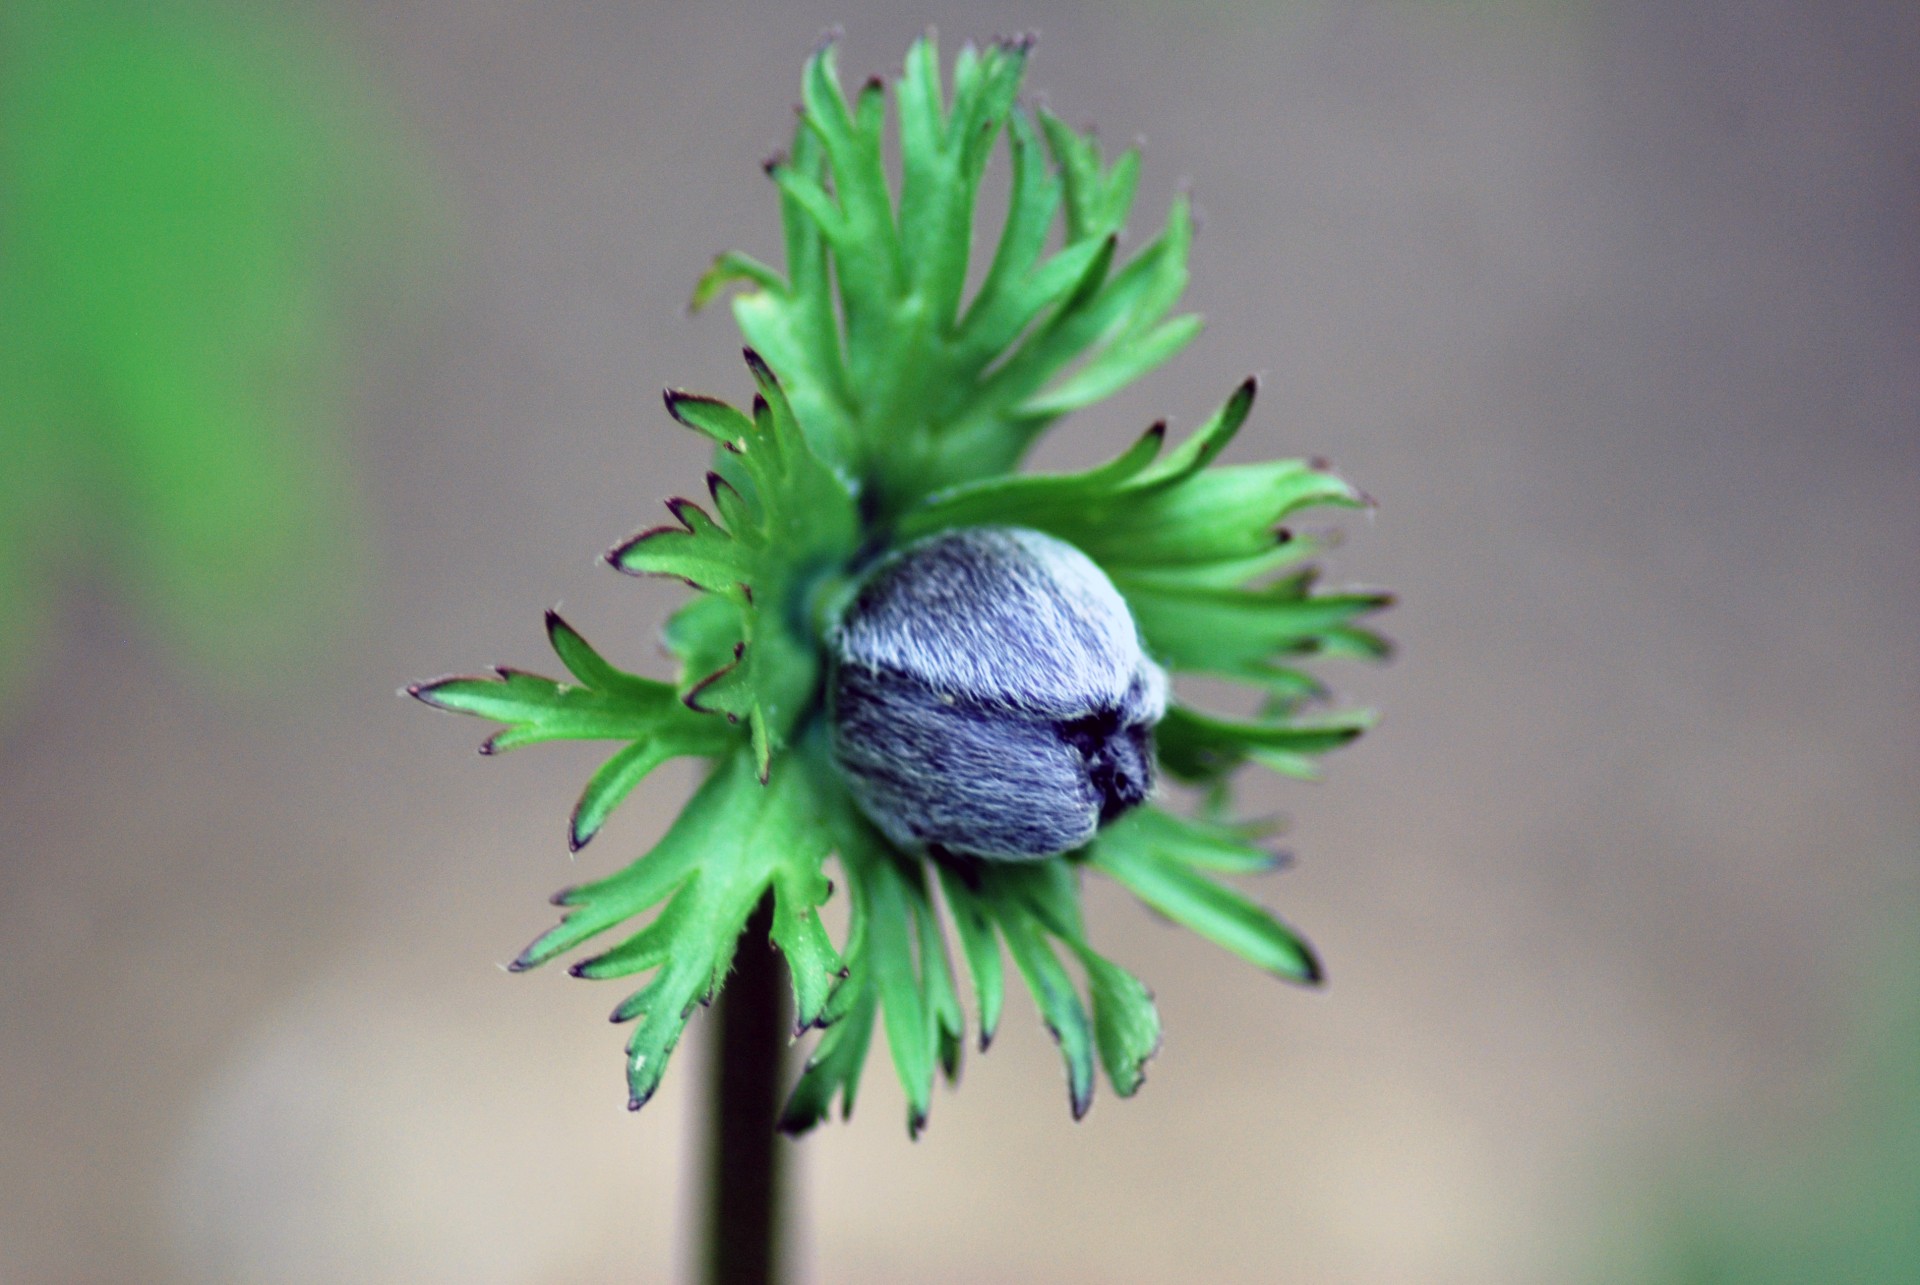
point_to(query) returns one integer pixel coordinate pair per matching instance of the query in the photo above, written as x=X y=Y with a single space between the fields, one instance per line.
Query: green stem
x=743 y=1179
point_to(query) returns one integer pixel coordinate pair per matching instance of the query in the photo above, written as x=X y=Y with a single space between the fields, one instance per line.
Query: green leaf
x=733 y=268
x=1115 y=368
x=1014 y=293
x=1013 y=500
x=1214 y=911
x=982 y=949
x=1060 y=1007
x=708 y=415
x=1173 y=524
x=800 y=889
x=1126 y=1025
x=1207 y=845
x=790 y=520
x=898 y=377
x=699 y=551
x=704 y=634
x=836 y=1064
x=1206 y=442
x=1196 y=747
x=850 y=1013
x=610 y=785
x=903 y=1005
x=616 y=706
x=901 y=408
x=947 y=1026
x=734 y=840
x=1234 y=631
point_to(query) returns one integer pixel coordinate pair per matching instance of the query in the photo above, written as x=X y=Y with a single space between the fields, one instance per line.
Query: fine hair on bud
x=989 y=696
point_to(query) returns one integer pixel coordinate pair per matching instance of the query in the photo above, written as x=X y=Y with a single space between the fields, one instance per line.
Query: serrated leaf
x=650 y=947
x=538 y=709
x=1015 y=500
x=699 y=551
x=610 y=785
x=707 y=415
x=853 y=1007
x=1059 y=1004
x=616 y=706
x=903 y=1009
x=1114 y=368
x=1195 y=746
x=1213 y=910
x=733 y=268
x=727 y=691
x=1126 y=1025
x=942 y=1001
x=1216 y=515
x=1204 y=444
x=703 y=634
x=800 y=889
x=732 y=842
x=1208 y=845
x=1164 y=523
x=836 y=1064
x=892 y=388
x=981 y=947
x=587 y=665
x=1235 y=631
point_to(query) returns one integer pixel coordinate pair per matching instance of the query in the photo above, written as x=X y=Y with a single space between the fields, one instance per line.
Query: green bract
x=891 y=406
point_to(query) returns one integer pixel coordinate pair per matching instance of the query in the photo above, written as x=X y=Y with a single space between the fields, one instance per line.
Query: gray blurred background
x=1614 y=307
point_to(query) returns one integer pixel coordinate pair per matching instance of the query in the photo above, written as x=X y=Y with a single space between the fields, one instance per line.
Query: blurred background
x=330 y=347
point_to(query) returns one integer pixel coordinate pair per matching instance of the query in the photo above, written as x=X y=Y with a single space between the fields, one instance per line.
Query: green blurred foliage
x=1834 y=1198
x=188 y=196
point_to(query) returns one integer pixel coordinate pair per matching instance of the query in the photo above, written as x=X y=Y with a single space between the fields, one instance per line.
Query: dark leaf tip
x=616 y=556
x=1315 y=974
x=692 y=699
x=679 y=506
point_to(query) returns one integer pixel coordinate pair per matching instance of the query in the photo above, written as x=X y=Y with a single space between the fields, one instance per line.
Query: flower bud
x=989 y=696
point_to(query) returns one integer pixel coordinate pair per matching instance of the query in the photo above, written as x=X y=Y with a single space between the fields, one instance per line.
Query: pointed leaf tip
x=427 y=693
x=1311 y=971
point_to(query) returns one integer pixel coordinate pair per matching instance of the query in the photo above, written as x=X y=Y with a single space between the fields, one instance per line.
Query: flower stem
x=743 y=1178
